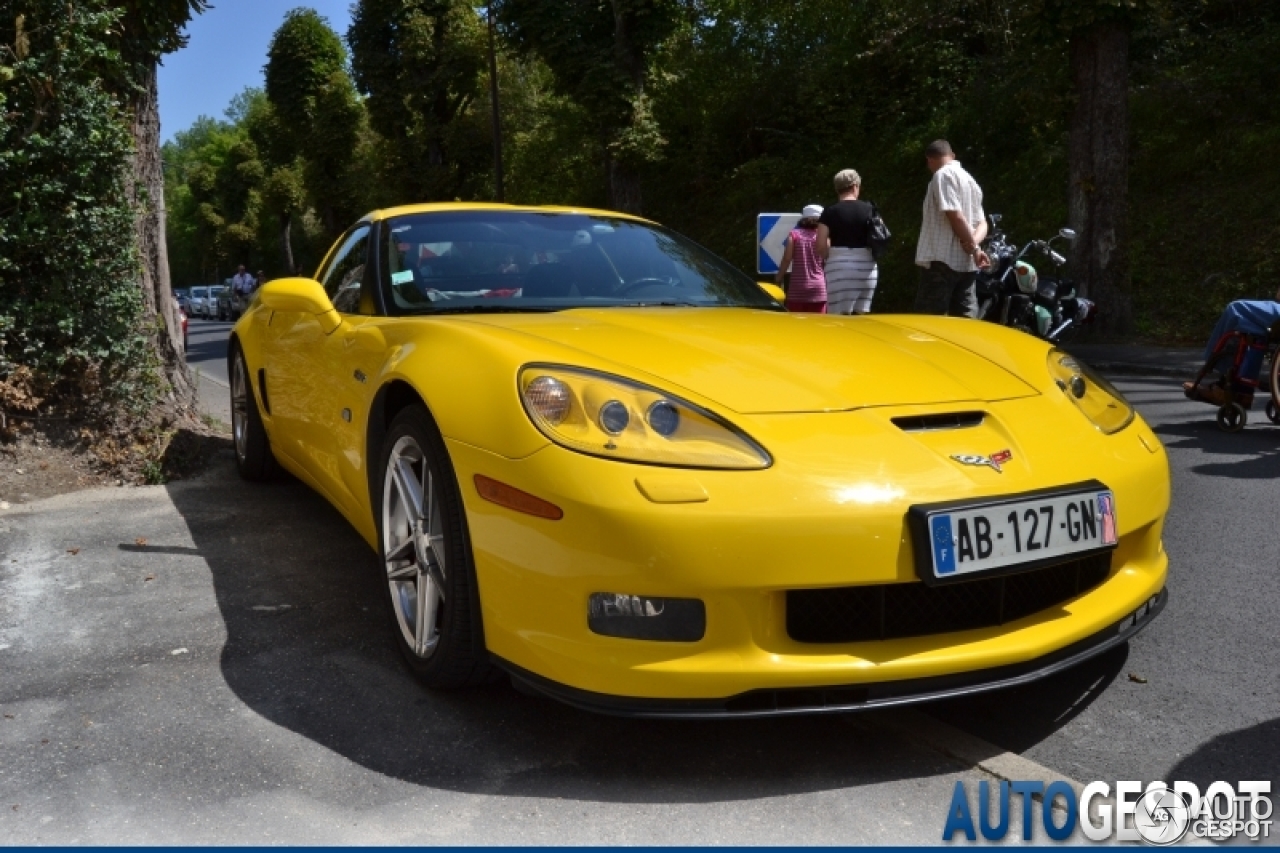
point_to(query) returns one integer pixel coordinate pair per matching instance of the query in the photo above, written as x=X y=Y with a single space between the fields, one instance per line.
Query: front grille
x=932 y=423
x=888 y=611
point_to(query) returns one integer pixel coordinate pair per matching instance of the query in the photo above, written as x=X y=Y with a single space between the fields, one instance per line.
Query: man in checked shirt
x=954 y=225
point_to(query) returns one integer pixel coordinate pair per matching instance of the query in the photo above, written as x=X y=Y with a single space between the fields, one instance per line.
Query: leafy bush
x=70 y=304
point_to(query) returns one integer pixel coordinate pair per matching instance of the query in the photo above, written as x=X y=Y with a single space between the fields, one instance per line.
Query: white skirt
x=852 y=276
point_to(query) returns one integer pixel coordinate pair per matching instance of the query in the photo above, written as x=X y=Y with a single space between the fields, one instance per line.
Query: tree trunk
x=624 y=186
x=1099 y=171
x=147 y=186
x=286 y=244
x=624 y=180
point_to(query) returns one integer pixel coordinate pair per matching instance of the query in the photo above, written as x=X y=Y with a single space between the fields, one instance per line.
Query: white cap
x=811 y=210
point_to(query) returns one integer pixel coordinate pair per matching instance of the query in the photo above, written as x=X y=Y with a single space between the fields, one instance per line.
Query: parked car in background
x=183 y=295
x=199 y=295
x=213 y=303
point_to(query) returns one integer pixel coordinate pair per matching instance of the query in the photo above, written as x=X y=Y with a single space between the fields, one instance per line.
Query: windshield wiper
x=490 y=309
x=663 y=303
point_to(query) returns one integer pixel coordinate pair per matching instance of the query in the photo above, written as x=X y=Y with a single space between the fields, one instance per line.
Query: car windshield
x=199 y=292
x=473 y=261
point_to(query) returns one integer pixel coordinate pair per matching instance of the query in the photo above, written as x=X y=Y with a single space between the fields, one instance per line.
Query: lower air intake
x=889 y=611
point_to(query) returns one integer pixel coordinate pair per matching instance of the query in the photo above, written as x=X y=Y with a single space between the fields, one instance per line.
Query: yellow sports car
x=592 y=454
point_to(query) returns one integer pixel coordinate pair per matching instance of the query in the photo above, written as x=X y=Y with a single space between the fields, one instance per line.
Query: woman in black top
x=851 y=269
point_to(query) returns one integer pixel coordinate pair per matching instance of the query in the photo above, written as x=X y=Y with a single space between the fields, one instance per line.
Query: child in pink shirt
x=808 y=289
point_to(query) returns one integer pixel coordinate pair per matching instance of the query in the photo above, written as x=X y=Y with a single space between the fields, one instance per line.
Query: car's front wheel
x=426 y=556
x=253 y=450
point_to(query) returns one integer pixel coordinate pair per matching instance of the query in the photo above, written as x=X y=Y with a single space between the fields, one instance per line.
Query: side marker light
x=512 y=498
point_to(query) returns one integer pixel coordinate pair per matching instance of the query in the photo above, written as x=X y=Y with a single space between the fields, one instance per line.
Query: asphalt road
x=231 y=680
x=207 y=347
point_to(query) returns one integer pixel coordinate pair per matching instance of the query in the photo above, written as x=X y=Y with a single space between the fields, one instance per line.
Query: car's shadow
x=309 y=648
x=1252 y=753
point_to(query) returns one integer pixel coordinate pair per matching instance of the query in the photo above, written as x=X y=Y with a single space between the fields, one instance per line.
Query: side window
x=343 y=278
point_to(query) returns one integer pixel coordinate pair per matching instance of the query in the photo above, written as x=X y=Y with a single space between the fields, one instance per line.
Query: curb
x=204 y=377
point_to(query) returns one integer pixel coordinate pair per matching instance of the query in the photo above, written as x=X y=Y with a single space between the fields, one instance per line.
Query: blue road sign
x=772 y=230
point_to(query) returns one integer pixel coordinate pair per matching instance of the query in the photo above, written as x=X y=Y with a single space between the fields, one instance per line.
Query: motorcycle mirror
x=1067 y=234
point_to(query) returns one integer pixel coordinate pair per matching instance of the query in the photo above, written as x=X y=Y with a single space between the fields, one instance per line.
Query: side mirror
x=773 y=290
x=1067 y=234
x=302 y=295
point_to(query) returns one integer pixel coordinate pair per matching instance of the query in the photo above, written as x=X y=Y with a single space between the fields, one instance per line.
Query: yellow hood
x=758 y=362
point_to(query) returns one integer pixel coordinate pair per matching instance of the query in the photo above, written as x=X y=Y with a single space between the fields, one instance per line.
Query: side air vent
x=931 y=423
x=262 y=389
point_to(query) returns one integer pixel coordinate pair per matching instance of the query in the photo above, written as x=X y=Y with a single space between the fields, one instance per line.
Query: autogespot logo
x=1158 y=815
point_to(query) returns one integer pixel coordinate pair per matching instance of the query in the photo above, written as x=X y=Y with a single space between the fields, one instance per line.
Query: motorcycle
x=1012 y=293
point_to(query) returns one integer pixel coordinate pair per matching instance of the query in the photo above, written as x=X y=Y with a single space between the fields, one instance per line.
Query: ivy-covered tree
x=72 y=327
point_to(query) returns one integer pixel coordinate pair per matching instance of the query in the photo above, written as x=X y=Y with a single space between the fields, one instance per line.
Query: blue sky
x=226 y=49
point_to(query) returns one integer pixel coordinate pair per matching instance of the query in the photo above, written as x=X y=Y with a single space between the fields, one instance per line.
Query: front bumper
x=816 y=520
x=845 y=698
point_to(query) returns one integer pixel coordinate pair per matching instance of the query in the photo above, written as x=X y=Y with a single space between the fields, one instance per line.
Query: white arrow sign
x=772 y=230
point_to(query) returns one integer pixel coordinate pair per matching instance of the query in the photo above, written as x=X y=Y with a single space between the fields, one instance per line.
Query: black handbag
x=878 y=233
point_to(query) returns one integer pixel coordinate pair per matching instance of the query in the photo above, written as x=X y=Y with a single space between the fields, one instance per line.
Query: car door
x=312 y=383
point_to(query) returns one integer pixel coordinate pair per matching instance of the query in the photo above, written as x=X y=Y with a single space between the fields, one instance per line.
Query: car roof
x=444 y=207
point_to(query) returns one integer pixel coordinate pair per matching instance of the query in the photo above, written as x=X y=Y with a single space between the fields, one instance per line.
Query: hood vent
x=933 y=423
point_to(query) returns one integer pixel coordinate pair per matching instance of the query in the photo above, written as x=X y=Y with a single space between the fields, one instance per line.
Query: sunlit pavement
x=212 y=665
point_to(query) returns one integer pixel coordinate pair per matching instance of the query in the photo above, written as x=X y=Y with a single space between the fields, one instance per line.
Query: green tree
x=600 y=55
x=316 y=117
x=1099 y=35
x=195 y=218
x=419 y=62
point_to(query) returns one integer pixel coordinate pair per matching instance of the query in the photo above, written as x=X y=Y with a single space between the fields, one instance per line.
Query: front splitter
x=836 y=699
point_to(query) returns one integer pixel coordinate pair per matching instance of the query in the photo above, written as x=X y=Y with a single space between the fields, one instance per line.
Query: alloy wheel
x=240 y=406
x=413 y=545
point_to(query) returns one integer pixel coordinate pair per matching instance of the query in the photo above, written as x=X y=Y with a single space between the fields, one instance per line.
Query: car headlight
x=616 y=418
x=1097 y=398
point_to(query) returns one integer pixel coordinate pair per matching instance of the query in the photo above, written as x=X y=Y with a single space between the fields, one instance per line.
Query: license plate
x=1014 y=533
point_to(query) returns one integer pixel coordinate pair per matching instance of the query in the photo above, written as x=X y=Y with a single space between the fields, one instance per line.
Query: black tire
x=1275 y=381
x=456 y=656
x=254 y=460
x=1232 y=417
x=1273 y=412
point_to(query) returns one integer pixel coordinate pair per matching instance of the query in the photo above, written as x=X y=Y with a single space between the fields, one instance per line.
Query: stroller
x=1237 y=360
